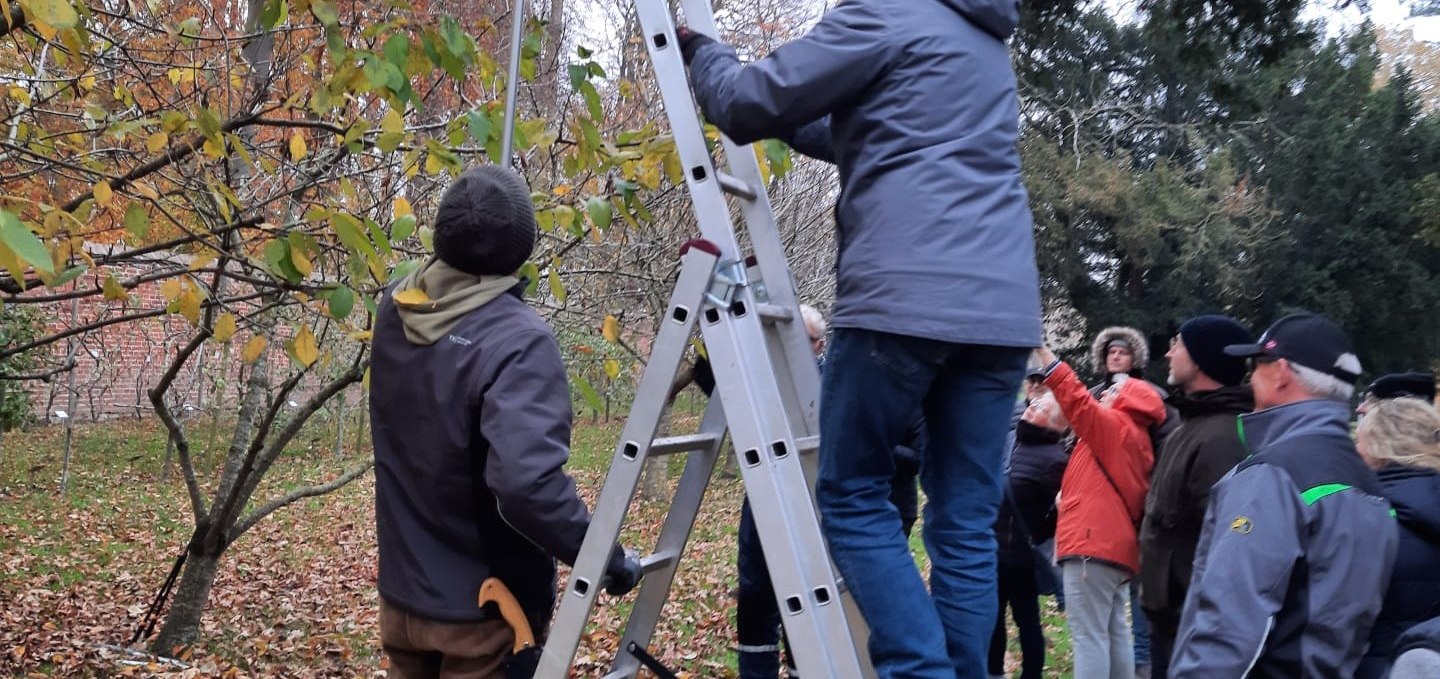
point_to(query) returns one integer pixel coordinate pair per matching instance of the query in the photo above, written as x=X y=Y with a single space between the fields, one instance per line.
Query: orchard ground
x=296 y=595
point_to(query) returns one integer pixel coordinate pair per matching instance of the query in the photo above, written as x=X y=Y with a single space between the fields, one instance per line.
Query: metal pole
x=512 y=83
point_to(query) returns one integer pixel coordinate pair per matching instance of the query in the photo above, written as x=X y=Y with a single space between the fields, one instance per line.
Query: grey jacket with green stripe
x=1294 y=556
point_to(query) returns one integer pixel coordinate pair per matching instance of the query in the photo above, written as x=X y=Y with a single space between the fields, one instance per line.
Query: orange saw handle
x=492 y=590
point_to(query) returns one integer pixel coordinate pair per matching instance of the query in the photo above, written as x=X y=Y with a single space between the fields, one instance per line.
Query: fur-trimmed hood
x=1136 y=339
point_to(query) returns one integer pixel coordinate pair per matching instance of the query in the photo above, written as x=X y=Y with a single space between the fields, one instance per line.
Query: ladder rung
x=682 y=444
x=808 y=444
x=656 y=561
x=735 y=187
x=774 y=312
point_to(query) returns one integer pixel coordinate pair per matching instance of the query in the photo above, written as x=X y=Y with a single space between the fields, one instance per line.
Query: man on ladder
x=937 y=300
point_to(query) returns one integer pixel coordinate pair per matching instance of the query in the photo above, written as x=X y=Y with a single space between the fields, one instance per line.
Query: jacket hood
x=1303 y=418
x=1140 y=400
x=996 y=17
x=1236 y=400
x=446 y=295
x=1414 y=494
x=1138 y=346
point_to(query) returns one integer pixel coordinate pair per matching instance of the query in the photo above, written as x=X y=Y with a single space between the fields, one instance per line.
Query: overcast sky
x=1394 y=13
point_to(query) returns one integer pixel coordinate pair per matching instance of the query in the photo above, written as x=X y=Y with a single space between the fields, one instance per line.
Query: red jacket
x=1095 y=520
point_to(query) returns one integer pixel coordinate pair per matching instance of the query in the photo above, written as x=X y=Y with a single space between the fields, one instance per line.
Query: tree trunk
x=182 y=623
x=340 y=425
x=655 y=478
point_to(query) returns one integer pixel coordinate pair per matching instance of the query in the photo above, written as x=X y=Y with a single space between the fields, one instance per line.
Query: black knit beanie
x=485 y=224
x=1206 y=337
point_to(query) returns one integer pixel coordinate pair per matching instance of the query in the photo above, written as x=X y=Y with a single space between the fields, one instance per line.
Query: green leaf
x=67 y=275
x=274 y=13
x=583 y=52
x=556 y=287
x=325 y=12
x=382 y=243
x=397 y=50
x=460 y=45
x=479 y=127
x=24 y=243
x=592 y=101
x=137 y=221
x=578 y=73
x=588 y=393
x=404 y=269
x=403 y=228
x=531 y=275
x=188 y=30
x=277 y=256
x=209 y=122
x=342 y=301
x=778 y=156
x=57 y=14
x=601 y=212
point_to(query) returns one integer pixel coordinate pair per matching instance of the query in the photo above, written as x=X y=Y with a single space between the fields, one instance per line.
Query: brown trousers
x=421 y=648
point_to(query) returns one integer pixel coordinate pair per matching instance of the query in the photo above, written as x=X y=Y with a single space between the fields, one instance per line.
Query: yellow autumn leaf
x=610 y=329
x=145 y=190
x=411 y=297
x=301 y=262
x=297 y=147
x=113 y=290
x=202 y=259
x=171 y=289
x=612 y=368
x=190 y=306
x=103 y=194
x=224 y=327
x=252 y=349
x=306 y=350
x=562 y=189
x=55 y=14
x=155 y=143
x=402 y=208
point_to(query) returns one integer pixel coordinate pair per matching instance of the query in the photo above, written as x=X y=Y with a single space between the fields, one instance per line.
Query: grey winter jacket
x=915 y=102
x=471 y=434
x=1294 y=557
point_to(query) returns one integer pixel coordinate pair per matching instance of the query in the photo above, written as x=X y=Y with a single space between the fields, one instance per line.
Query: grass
x=296 y=596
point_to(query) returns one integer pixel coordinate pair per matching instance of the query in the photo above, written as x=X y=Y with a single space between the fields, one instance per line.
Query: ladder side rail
x=711 y=209
x=587 y=577
x=674 y=538
x=805 y=583
x=759 y=220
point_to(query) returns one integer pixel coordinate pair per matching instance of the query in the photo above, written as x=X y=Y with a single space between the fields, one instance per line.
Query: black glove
x=623 y=573
x=690 y=42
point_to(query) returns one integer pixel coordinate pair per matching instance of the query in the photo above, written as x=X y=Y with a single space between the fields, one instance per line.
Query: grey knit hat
x=485 y=224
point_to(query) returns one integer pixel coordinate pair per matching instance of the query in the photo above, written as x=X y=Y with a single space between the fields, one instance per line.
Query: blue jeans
x=1139 y=626
x=872 y=386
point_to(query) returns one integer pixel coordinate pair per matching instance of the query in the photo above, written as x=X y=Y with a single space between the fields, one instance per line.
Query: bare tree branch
x=177 y=431
x=298 y=494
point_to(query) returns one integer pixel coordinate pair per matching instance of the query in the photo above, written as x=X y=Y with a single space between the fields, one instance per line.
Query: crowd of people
x=1231 y=528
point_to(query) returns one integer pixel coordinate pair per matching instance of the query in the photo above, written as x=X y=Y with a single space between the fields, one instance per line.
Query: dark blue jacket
x=1294 y=556
x=915 y=102
x=1027 y=515
x=1414 y=592
x=471 y=435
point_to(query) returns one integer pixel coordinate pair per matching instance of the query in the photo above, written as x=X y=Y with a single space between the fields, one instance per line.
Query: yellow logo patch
x=1241 y=525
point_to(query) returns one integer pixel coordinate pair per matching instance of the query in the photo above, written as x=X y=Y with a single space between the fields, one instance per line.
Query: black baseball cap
x=1398 y=385
x=1306 y=339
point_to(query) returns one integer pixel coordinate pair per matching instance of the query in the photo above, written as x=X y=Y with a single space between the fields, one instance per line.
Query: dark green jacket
x=1201 y=450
